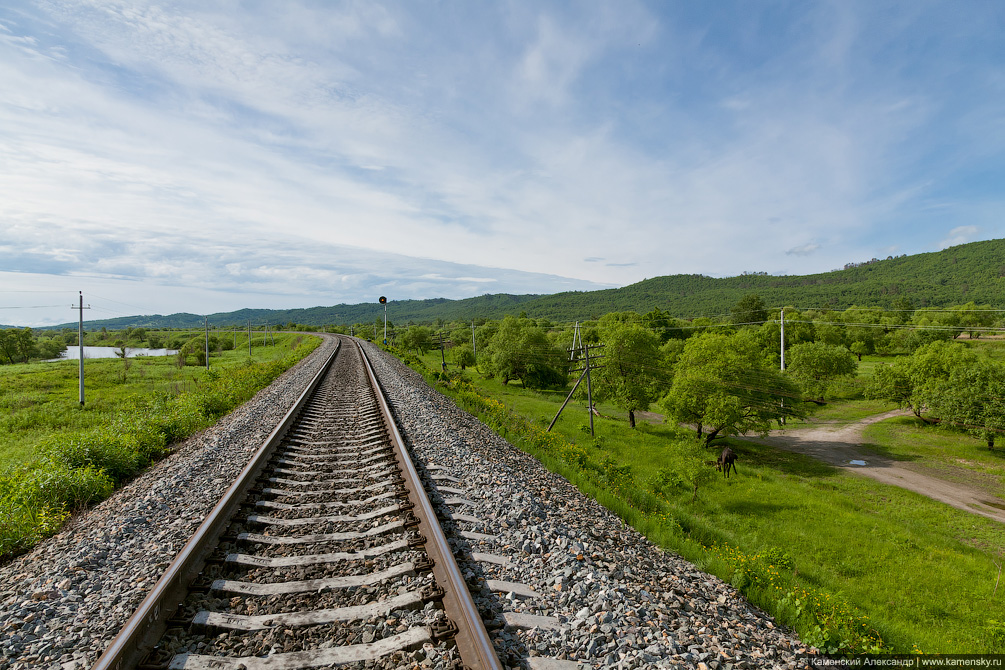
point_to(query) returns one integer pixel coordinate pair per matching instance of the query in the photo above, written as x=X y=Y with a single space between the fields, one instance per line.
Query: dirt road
x=840 y=445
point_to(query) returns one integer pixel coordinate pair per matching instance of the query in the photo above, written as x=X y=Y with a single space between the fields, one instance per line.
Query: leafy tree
x=51 y=347
x=721 y=384
x=749 y=309
x=463 y=355
x=521 y=350
x=916 y=382
x=860 y=348
x=17 y=345
x=975 y=319
x=974 y=399
x=816 y=366
x=195 y=346
x=631 y=367
x=417 y=338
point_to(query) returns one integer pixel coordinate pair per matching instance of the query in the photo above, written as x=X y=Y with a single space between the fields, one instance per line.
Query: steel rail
x=473 y=643
x=147 y=624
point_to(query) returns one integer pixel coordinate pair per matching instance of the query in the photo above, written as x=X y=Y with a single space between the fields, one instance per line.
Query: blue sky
x=204 y=157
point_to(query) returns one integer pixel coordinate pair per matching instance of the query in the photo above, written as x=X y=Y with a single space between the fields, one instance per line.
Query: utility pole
x=443 y=361
x=782 y=318
x=249 y=337
x=207 y=344
x=574 y=353
x=783 y=339
x=589 y=389
x=80 y=343
x=235 y=336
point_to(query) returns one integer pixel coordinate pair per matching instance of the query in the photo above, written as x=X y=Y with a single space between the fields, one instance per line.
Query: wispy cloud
x=803 y=249
x=959 y=235
x=192 y=145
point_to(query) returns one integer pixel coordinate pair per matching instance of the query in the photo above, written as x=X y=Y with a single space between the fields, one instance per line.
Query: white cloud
x=959 y=235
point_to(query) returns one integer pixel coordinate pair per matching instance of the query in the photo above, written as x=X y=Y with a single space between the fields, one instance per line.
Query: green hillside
x=968 y=272
x=954 y=276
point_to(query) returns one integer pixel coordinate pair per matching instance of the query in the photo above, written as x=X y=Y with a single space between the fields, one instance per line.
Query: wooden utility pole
x=249 y=337
x=440 y=337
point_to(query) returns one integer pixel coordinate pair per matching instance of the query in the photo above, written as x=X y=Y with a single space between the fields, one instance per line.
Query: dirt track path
x=839 y=445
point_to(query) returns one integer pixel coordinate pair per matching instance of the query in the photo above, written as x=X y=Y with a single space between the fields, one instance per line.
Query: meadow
x=851 y=564
x=57 y=456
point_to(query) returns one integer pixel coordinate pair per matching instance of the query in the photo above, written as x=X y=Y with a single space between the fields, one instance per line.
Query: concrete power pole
x=207 y=344
x=80 y=343
x=783 y=339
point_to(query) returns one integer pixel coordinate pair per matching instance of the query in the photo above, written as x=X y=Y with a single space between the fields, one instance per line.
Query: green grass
x=864 y=558
x=56 y=456
x=39 y=399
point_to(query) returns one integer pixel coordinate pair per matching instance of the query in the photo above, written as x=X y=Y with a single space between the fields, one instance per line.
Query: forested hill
x=968 y=272
x=954 y=276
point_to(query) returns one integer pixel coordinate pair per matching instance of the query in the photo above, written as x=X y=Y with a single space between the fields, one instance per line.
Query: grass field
x=56 y=456
x=39 y=399
x=844 y=559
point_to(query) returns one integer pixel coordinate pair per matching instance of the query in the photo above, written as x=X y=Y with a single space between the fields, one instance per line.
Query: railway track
x=326 y=551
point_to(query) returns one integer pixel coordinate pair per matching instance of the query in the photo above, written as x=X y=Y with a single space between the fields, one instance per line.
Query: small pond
x=73 y=353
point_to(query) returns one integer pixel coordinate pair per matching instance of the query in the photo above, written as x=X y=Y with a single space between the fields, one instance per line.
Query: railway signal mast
x=383 y=301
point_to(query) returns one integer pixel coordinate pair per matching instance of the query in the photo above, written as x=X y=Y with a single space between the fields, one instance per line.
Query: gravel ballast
x=616 y=600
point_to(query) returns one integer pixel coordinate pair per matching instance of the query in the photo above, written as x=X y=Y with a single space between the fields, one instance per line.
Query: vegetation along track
x=326 y=551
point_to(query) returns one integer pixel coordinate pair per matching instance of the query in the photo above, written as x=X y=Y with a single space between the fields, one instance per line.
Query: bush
x=34 y=501
x=100 y=449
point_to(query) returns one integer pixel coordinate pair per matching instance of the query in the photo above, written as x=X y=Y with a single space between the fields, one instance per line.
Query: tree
x=631 y=367
x=749 y=309
x=665 y=326
x=463 y=355
x=816 y=366
x=974 y=399
x=721 y=384
x=17 y=345
x=916 y=382
x=521 y=350
x=417 y=338
x=858 y=347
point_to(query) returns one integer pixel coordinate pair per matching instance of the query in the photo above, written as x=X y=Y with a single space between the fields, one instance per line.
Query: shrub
x=35 y=501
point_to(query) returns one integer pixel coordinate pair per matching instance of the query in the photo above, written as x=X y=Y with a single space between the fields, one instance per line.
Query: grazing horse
x=727 y=460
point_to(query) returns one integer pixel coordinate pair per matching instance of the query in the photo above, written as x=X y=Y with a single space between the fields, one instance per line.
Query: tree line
x=723 y=375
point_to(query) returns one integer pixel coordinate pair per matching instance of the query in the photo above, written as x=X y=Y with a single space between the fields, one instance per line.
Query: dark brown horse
x=727 y=460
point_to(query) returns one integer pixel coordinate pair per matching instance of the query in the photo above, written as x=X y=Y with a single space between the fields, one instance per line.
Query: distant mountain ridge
x=967 y=272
